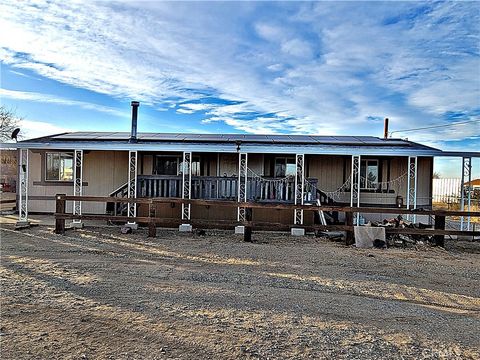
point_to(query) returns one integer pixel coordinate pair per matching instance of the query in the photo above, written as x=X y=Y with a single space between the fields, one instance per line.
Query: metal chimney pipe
x=385 y=129
x=133 y=132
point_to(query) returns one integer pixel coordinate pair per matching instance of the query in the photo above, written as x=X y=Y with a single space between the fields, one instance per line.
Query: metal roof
x=227 y=143
x=271 y=139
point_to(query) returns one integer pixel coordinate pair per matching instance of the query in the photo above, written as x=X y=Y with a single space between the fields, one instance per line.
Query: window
x=285 y=166
x=195 y=163
x=173 y=165
x=166 y=165
x=369 y=174
x=59 y=167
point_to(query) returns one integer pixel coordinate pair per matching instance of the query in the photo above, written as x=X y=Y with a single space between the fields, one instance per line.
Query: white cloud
x=458 y=91
x=275 y=67
x=313 y=67
x=269 y=32
x=32 y=129
x=47 y=98
x=190 y=108
x=297 y=47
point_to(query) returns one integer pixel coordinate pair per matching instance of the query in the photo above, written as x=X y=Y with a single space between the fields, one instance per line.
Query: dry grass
x=98 y=294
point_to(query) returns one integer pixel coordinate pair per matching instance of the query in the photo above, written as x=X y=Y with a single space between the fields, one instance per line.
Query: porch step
x=120 y=209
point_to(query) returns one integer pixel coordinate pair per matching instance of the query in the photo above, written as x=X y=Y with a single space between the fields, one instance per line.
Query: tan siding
x=328 y=170
x=35 y=175
x=424 y=181
x=255 y=163
x=267 y=160
x=228 y=164
x=424 y=176
x=213 y=165
x=147 y=164
x=104 y=171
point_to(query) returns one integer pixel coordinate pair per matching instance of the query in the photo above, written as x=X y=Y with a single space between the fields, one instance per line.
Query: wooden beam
x=349 y=239
x=152 y=227
x=412 y=231
x=9 y=201
x=262 y=225
x=439 y=232
x=439 y=225
x=327 y=227
x=106 y=199
x=275 y=206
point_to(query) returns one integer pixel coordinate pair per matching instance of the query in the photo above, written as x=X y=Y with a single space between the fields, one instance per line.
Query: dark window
x=166 y=165
x=285 y=166
x=59 y=167
x=173 y=165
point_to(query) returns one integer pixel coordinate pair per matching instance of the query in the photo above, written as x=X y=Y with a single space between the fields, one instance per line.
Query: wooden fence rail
x=151 y=220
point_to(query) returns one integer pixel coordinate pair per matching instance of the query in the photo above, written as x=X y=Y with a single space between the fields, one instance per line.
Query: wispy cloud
x=286 y=67
x=47 y=98
x=33 y=129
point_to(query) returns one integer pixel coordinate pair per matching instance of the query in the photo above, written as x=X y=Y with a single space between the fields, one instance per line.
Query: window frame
x=179 y=160
x=285 y=162
x=195 y=159
x=59 y=179
x=364 y=184
x=155 y=161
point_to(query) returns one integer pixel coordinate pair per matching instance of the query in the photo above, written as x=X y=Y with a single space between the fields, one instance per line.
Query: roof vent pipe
x=385 y=129
x=133 y=132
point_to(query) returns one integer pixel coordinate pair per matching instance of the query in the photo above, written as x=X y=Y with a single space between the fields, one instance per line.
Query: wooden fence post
x=247 y=230
x=439 y=225
x=59 y=209
x=247 y=233
x=152 y=225
x=349 y=239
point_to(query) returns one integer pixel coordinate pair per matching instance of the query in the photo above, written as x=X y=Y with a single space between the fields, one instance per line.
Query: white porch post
x=77 y=185
x=242 y=185
x=412 y=185
x=23 y=188
x=186 y=184
x=355 y=185
x=466 y=178
x=299 y=188
x=132 y=184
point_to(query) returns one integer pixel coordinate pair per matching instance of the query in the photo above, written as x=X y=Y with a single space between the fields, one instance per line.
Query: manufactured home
x=296 y=169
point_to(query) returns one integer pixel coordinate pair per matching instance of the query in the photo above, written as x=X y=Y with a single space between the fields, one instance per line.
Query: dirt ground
x=98 y=294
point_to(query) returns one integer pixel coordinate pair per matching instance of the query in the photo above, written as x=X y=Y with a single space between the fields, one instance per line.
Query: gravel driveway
x=98 y=294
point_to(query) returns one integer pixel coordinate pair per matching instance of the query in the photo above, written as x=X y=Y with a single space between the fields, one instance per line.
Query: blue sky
x=290 y=67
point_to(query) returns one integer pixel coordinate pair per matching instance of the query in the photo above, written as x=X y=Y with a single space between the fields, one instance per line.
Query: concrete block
x=185 y=228
x=240 y=229
x=22 y=224
x=76 y=225
x=365 y=235
x=133 y=226
x=465 y=237
x=298 y=232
